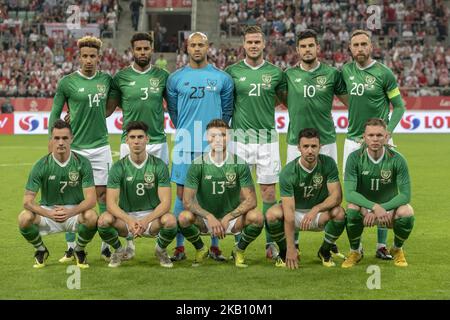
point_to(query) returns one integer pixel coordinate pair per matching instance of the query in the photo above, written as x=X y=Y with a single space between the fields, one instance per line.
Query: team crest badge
x=266 y=78
x=154 y=82
x=321 y=80
x=211 y=84
x=386 y=174
x=370 y=80
x=317 y=179
x=101 y=88
x=149 y=177
x=231 y=176
x=73 y=176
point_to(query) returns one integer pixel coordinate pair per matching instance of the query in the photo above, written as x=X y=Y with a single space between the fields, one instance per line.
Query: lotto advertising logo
x=410 y=122
x=29 y=123
x=118 y=123
x=6 y=123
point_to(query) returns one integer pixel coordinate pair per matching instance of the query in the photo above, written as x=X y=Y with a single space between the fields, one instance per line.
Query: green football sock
x=355 y=227
x=192 y=234
x=85 y=236
x=70 y=236
x=101 y=207
x=166 y=236
x=110 y=236
x=276 y=230
x=402 y=229
x=31 y=234
x=267 y=206
x=382 y=234
x=333 y=230
x=249 y=234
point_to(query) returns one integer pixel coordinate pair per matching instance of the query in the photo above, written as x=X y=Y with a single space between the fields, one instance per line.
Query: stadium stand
x=32 y=60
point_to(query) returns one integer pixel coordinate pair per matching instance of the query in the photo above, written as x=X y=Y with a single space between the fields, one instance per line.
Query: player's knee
x=105 y=220
x=274 y=213
x=169 y=221
x=352 y=206
x=404 y=211
x=338 y=213
x=90 y=218
x=26 y=219
x=255 y=217
x=353 y=215
x=185 y=219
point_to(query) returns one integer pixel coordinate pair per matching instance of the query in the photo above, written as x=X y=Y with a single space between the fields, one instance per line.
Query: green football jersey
x=141 y=99
x=308 y=187
x=310 y=100
x=370 y=90
x=138 y=183
x=61 y=183
x=378 y=181
x=218 y=186
x=255 y=91
x=86 y=99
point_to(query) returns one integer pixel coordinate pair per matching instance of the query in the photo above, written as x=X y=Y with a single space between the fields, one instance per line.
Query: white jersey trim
x=373 y=160
x=62 y=165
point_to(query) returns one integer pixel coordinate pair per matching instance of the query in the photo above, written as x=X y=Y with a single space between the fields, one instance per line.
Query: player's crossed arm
x=112 y=200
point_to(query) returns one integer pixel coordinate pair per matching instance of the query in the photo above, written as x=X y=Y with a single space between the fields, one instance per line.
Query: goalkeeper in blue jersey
x=196 y=94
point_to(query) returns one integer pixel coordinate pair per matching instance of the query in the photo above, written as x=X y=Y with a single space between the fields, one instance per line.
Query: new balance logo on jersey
x=208 y=177
x=81 y=90
x=241 y=79
x=186 y=84
x=298 y=80
x=352 y=78
x=132 y=83
x=51 y=177
x=129 y=178
x=365 y=173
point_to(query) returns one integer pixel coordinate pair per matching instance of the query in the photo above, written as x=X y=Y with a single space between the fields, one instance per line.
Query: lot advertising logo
x=29 y=123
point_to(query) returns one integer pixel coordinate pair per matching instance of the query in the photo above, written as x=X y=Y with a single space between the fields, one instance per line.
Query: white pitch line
x=15 y=164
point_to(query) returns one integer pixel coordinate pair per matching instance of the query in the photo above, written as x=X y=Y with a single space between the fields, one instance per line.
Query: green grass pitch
x=427 y=276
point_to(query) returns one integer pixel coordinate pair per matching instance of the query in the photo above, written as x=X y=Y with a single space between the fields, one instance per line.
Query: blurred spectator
x=7 y=107
x=161 y=62
x=135 y=7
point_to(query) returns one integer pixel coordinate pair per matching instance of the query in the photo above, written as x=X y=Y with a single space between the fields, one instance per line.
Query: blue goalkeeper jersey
x=194 y=98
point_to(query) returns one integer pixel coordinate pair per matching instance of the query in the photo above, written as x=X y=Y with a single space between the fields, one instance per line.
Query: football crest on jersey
x=101 y=88
x=321 y=82
x=317 y=180
x=211 y=84
x=385 y=176
x=149 y=179
x=370 y=80
x=267 y=81
x=154 y=85
x=73 y=177
x=231 y=179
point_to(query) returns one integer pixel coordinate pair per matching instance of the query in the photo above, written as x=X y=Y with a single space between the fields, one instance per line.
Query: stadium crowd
x=31 y=61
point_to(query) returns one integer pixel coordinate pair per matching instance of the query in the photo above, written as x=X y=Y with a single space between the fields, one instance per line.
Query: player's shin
x=333 y=230
x=355 y=227
x=192 y=234
x=110 y=236
x=382 y=234
x=177 y=210
x=248 y=235
x=166 y=236
x=31 y=234
x=267 y=206
x=402 y=229
x=276 y=230
x=85 y=235
x=70 y=239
